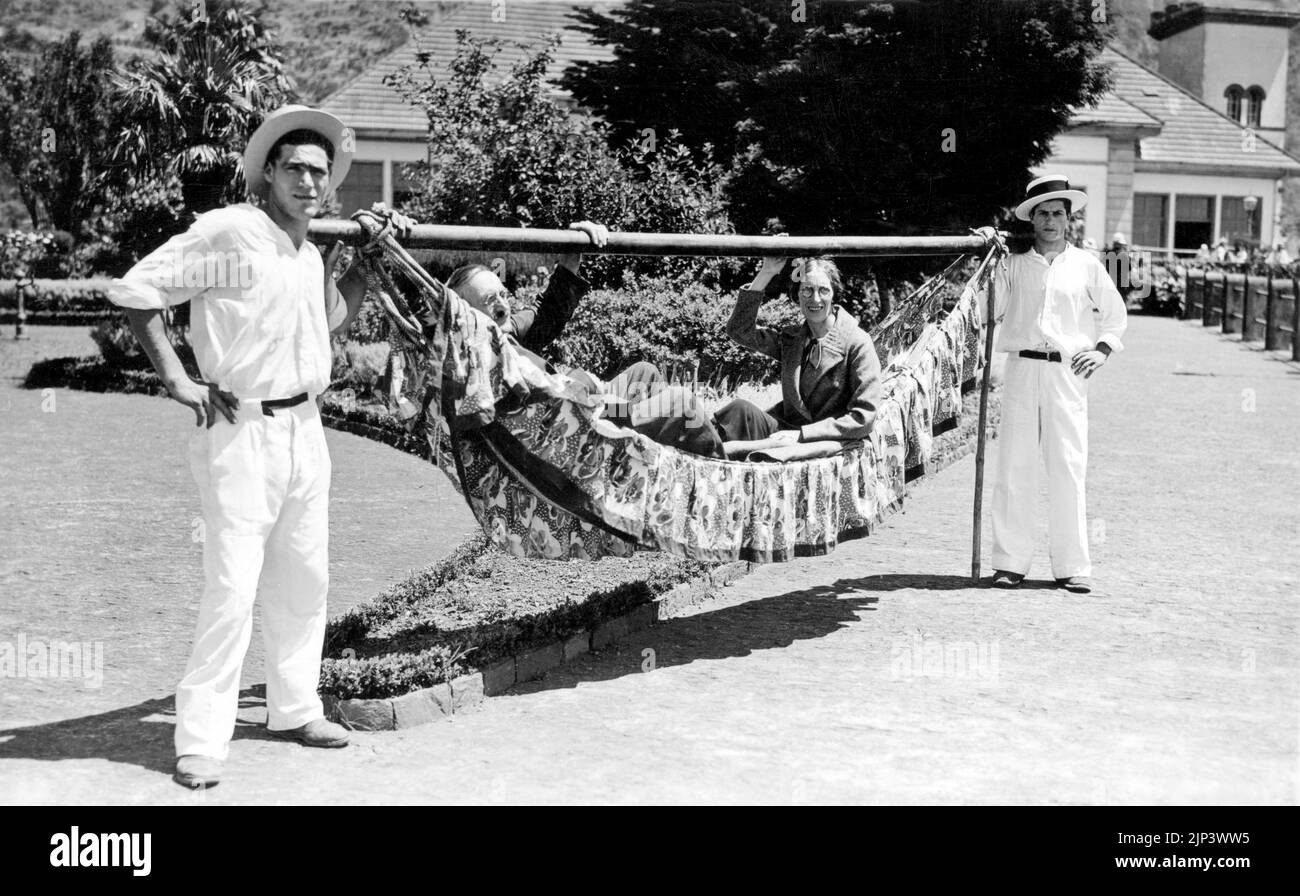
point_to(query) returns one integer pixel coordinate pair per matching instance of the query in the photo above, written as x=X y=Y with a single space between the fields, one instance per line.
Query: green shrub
x=370 y=325
x=120 y=349
x=359 y=366
x=505 y=153
x=60 y=296
x=678 y=324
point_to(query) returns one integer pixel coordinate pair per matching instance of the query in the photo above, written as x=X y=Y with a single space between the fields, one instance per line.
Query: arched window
x=1254 y=105
x=1234 y=94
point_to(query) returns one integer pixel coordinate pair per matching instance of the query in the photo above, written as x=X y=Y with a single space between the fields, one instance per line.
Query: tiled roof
x=1111 y=110
x=1192 y=135
x=368 y=105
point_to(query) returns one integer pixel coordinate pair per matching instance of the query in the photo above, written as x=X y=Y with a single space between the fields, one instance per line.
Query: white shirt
x=258 y=319
x=1069 y=305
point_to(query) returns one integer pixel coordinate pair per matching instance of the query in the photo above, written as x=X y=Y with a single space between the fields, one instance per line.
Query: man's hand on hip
x=1086 y=363
x=205 y=399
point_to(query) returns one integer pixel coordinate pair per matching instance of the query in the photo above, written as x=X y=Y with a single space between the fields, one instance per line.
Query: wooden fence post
x=1223 y=307
x=1246 y=312
x=1295 y=318
x=1270 y=313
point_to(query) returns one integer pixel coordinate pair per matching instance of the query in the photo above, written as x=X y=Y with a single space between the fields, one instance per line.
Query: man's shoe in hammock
x=1075 y=584
x=1004 y=579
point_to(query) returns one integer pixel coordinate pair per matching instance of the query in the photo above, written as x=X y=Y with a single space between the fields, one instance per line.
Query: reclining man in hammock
x=638 y=398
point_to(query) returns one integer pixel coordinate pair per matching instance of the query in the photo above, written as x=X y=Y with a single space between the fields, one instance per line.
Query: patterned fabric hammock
x=547 y=477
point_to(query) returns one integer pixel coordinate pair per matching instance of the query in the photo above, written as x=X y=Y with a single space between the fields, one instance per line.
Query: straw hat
x=292 y=118
x=1049 y=186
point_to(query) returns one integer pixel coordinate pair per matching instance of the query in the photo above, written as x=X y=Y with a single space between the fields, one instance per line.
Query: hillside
x=326 y=42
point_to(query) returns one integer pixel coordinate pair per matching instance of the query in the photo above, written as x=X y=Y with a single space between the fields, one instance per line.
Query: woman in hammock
x=830 y=374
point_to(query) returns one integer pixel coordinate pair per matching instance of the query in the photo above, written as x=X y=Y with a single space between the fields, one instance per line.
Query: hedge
x=59 y=302
x=464 y=612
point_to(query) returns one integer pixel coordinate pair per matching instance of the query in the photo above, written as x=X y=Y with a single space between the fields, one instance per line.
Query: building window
x=362 y=188
x=1238 y=224
x=1150 y=219
x=1193 y=221
x=1234 y=93
x=1254 y=106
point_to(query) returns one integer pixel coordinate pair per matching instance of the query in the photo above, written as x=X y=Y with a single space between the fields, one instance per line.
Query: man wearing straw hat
x=1062 y=318
x=263 y=306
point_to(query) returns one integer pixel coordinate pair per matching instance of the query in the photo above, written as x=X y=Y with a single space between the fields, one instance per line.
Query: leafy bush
x=504 y=153
x=60 y=295
x=370 y=325
x=40 y=253
x=139 y=219
x=121 y=350
x=359 y=366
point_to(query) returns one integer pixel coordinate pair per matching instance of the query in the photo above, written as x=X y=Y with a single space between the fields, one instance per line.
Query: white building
x=1191 y=152
x=1179 y=155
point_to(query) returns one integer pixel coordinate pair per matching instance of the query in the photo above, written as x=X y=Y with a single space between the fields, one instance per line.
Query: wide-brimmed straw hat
x=1049 y=186
x=292 y=118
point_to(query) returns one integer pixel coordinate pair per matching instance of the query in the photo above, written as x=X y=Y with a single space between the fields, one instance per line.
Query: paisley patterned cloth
x=547 y=477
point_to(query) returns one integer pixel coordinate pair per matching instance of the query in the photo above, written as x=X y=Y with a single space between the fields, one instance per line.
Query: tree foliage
x=504 y=153
x=190 y=110
x=916 y=117
x=56 y=124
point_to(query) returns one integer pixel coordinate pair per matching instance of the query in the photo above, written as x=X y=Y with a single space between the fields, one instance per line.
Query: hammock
x=547 y=477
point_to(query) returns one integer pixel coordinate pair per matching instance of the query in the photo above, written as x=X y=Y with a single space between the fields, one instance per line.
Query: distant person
x=1239 y=255
x=1221 y=250
x=1278 y=256
x=1203 y=254
x=1119 y=264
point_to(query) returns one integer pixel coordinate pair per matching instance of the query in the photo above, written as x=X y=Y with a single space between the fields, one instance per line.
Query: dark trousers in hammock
x=744 y=421
x=669 y=415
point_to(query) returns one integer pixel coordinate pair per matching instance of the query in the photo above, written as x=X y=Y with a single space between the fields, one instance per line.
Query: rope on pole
x=515 y=239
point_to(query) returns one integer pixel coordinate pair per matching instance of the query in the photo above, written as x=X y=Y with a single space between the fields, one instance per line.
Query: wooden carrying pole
x=516 y=239
x=979 y=440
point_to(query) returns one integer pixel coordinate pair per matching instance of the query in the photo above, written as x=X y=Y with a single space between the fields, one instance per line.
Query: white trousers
x=1044 y=412
x=264 y=483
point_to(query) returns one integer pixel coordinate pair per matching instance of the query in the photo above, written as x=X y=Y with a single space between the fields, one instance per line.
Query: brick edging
x=444 y=700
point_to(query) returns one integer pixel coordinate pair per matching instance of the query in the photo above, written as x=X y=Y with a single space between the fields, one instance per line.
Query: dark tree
x=190 y=109
x=56 y=130
x=905 y=118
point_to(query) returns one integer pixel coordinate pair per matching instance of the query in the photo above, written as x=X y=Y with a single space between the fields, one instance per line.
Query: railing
x=1255 y=306
x=1166 y=256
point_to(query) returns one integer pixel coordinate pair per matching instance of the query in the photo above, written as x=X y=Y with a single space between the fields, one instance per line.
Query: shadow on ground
x=142 y=734
x=135 y=735
x=764 y=624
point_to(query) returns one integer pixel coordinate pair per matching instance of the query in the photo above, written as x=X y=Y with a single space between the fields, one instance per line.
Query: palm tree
x=190 y=109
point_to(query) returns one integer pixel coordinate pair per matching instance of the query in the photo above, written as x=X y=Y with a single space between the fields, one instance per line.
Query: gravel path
x=878 y=675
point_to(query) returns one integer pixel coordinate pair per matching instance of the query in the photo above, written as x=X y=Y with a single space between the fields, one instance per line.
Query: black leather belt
x=1041 y=356
x=271 y=404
